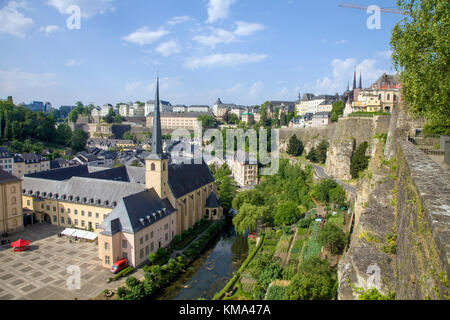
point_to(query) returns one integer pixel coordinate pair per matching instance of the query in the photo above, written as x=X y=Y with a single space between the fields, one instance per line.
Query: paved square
x=41 y=273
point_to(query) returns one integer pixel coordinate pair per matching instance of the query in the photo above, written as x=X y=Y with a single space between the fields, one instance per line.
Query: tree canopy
x=359 y=161
x=421 y=52
x=295 y=146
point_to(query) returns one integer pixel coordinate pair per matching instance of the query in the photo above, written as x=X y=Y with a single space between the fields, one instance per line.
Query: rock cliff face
x=401 y=236
x=339 y=159
x=365 y=265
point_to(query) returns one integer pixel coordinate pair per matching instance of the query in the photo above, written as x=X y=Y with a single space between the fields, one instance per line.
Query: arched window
x=153 y=167
x=13 y=200
x=164 y=167
x=14 y=211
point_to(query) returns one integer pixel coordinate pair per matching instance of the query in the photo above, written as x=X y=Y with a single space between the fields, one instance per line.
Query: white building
x=202 y=109
x=164 y=105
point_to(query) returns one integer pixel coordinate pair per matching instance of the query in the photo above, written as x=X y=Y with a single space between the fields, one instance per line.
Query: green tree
x=152 y=258
x=337 y=110
x=63 y=134
x=314 y=281
x=360 y=161
x=128 y=135
x=79 y=139
x=288 y=214
x=207 y=121
x=295 y=146
x=333 y=237
x=421 y=53
x=338 y=196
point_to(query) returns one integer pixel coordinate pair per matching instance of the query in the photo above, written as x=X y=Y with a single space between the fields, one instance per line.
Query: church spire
x=157 y=150
x=360 y=80
x=156 y=134
x=354 y=80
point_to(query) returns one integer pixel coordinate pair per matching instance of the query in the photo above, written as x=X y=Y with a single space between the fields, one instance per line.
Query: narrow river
x=210 y=273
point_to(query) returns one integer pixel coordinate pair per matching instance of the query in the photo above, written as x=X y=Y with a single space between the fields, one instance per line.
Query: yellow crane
x=355 y=6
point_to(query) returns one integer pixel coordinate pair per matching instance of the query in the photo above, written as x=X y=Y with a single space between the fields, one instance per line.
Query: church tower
x=157 y=163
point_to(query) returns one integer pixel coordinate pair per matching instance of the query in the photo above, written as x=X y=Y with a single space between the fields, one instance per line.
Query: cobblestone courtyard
x=41 y=273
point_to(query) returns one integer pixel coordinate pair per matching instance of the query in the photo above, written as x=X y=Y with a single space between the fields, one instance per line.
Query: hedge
x=123 y=273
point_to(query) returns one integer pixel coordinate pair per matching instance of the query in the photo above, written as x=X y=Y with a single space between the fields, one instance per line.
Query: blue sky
x=243 y=51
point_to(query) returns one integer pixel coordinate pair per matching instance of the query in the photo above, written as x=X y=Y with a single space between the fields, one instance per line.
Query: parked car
x=119 y=265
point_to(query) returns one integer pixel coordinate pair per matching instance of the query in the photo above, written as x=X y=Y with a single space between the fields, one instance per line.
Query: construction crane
x=355 y=6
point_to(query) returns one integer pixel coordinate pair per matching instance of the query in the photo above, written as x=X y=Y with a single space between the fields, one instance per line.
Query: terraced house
x=133 y=210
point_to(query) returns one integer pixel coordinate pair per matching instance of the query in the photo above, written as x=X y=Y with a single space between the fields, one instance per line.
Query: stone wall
x=409 y=197
x=423 y=244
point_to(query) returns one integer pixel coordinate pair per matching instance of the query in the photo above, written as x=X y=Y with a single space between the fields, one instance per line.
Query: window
x=141 y=240
x=97 y=225
x=153 y=167
x=166 y=227
x=106 y=246
x=151 y=235
x=82 y=213
x=54 y=209
x=152 y=247
x=28 y=202
x=76 y=222
x=13 y=200
x=62 y=219
x=82 y=223
x=14 y=211
x=124 y=244
x=13 y=189
x=97 y=215
x=107 y=260
x=146 y=237
x=62 y=210
x=146 y=250
x=125 y=255
x=69 y=221
x=75 y=212
x=141 y=253
x=55 y=219
x=68 y=210
x=89 y=214
x=167 y=236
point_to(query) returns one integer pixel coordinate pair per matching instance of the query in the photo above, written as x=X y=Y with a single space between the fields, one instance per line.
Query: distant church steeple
x=360 y=80
x=157 y=163
x=156 y=134
x=354 y=80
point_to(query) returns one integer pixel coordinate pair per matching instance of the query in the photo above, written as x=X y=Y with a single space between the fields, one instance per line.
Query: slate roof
x=137 y=212
x=61 y=174
x=6 y=177
x=185 y=178
x=29 y=158
x=212 y=201
x=102 y=193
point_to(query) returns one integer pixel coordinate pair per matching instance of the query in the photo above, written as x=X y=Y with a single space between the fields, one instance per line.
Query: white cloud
x=385 y=54
x=168 y=48
x=342 y=73
x=178 y=20
x=223 y=60
x=18 y=83
x=89 y=8
x=49 y=29
x=14 y=22
x=218 y=9
x=340 y=42
x=145 y=36
x=242 y=29
x=73 y=63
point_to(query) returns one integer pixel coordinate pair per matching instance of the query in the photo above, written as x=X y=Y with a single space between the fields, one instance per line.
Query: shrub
x=132 y=282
